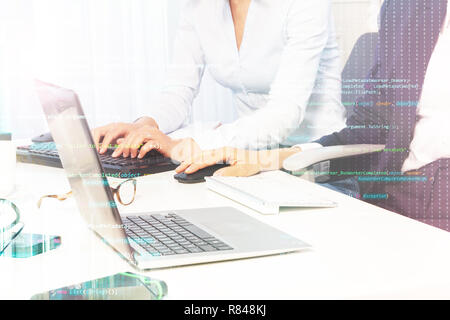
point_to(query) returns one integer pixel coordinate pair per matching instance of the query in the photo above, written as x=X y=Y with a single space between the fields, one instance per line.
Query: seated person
x=283 y=69
x=406 y=107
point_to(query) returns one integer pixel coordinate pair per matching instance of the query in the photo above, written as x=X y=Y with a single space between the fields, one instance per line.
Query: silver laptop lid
x=80 y=160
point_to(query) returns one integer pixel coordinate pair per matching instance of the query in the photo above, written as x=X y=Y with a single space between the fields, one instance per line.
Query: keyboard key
x=171 y=225
x=175 y=247
x=147 y=218
x=197 y=231
x=225 y=248
x=207 y=248
x=215 y=242
x=133 y=235
x=160 y=247
x=149 y=240
x=155 y=253
x=139 y=241
x=183 y=224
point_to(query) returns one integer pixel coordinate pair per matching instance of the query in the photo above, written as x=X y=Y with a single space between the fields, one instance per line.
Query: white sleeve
x=307 y=31
x=184 y=76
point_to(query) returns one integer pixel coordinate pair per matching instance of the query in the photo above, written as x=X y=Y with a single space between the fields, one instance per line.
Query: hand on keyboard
x=136 y=140
x=105 y=136
x=142 y=140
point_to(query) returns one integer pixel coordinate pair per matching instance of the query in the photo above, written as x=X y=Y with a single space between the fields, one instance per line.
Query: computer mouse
x=45 y=137
x=200 y=175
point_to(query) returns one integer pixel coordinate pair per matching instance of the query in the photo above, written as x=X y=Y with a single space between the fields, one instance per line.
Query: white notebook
x=268 y=191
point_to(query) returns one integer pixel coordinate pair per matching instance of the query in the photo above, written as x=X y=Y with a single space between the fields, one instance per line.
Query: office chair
x=357 y=67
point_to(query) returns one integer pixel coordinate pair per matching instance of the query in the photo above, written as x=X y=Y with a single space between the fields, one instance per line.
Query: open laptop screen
x=83 y=168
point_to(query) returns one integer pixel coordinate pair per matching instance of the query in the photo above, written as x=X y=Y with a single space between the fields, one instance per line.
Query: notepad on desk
x=268 y=191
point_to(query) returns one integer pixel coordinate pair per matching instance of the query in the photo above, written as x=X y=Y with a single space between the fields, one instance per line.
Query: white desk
x=359 y=251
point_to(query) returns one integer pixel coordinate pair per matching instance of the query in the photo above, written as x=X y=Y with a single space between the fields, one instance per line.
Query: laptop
x=149 y=240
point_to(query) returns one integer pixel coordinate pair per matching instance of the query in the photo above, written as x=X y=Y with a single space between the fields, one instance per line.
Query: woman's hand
x=111 y=133
x=141 y=141
x=146 y=138
x=243 y=163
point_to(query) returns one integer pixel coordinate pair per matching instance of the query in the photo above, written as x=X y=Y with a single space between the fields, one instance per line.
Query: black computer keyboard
x=46 y=154
x=165 y=235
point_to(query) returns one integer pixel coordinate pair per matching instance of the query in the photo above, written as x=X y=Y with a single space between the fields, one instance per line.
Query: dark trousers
x=426 y=201
x=425 y=197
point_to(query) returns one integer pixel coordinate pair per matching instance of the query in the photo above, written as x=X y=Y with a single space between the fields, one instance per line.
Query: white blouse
x=431 y=139
x=286 y=73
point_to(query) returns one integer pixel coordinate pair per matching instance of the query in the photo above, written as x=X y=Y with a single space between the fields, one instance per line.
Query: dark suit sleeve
x=367 y=122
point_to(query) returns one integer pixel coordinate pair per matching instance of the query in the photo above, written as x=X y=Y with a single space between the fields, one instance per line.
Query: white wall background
x=114 y=54
x=353 y=18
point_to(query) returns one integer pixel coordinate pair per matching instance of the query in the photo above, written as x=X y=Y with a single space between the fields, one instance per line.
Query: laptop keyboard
x=165 y=235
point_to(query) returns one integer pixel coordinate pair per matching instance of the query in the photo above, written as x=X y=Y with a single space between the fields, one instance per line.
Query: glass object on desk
x=121 y=286
x=28 y=245
x=16 y=244
x=10 y=225
x=125 y=193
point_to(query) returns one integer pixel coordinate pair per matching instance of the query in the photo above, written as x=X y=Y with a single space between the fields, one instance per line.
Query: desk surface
x=358 y=250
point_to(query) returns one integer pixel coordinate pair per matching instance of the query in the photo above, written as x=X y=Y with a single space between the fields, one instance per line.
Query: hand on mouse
x=243 y=163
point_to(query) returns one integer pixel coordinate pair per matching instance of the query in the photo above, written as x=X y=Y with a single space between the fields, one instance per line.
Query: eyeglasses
x=10 y=225
x=124 y=192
